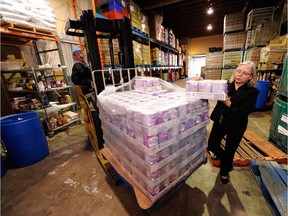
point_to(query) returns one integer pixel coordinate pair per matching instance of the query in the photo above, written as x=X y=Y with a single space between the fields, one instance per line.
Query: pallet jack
x=87 y=26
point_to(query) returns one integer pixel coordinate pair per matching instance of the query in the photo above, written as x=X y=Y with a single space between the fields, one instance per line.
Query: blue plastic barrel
x=263 y=87
x=24 y=138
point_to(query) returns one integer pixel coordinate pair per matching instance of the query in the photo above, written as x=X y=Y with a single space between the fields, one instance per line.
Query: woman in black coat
x=231 y=116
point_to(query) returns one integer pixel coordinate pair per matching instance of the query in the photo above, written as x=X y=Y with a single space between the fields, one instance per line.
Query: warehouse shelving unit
x=157 y=69
x=32 y=98
x=28 y=96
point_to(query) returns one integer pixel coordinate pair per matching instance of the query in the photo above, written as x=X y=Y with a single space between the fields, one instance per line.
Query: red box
x=113 y=15
x=125 y=13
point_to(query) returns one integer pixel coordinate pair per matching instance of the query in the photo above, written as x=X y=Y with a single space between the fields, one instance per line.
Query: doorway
x=195 y=64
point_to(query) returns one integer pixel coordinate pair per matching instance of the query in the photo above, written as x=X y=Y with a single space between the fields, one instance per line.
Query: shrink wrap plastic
x=155 y=132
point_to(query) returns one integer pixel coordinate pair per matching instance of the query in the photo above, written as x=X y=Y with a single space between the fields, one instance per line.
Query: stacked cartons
x=156 y=137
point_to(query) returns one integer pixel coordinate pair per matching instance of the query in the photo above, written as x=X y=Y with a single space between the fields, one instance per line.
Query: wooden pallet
x=143 y=200
x=254 y=147
x=25 y=31
x=272 y=180
x=21 y=27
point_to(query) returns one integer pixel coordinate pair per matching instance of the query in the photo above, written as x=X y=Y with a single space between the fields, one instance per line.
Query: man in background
x=81 y=72
x=82 y=76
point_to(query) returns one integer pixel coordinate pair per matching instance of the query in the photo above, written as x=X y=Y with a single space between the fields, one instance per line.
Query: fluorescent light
x=210 y=10
x=209 y=27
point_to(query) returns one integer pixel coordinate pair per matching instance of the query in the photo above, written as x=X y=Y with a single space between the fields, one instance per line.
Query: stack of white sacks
x=29 y=13
x=158 y=137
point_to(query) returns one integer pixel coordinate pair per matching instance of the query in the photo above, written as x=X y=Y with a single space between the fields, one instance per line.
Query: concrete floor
x=70 y=181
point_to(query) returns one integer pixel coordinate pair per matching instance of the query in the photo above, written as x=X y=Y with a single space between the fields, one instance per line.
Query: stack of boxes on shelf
x=145 y=54
x=163 y=58
x=213 y=65
x=234 y=41
x=154 y=132
x=157 y=56
x=137 y=53
x=157 y=31
x=160 y=33
x=252 y=53
x=138 y=19
x=272 y=57
x=171 y=38
x=264 y=46
x=260 y=29
x=113 y=9
x=141 y=53
x=104 y=50
x=260 y=23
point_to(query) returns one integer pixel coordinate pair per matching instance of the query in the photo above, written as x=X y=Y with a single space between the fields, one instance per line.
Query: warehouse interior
x=53 y=161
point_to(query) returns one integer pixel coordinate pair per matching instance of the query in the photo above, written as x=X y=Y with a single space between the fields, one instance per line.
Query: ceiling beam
x=161 y=3
x=171 y=3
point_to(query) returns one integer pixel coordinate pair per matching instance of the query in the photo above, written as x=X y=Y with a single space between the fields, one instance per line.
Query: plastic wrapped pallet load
x=155 y=134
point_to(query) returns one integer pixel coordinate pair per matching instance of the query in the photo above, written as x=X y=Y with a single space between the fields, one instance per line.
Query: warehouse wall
x=63 y=10
x=200 y=46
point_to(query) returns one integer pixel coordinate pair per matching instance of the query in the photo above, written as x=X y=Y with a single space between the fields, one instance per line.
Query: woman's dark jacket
x=243 y=103
x=81 y=75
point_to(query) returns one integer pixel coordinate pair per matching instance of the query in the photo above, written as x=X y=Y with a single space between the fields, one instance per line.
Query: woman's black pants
x=233 y=138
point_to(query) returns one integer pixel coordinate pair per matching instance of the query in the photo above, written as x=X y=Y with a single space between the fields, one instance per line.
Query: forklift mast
x=87 y=27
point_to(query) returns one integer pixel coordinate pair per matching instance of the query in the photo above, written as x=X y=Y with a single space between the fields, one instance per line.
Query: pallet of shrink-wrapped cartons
x=155 y=135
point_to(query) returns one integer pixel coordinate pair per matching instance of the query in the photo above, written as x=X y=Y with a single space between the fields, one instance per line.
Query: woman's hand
x=92 y=84
x=197 y=78
x=227 y=101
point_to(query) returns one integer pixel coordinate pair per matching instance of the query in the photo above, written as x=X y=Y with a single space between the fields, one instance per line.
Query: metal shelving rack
x=46 y=110
x=31 y=36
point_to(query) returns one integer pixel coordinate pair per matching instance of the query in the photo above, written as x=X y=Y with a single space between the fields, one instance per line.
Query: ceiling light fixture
x=210 y=10
x=209 y=27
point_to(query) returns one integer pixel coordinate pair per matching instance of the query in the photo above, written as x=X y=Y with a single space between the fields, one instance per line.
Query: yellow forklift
x=93 y=28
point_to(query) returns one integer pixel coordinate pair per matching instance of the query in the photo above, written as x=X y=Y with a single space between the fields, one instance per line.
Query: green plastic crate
x=279 y=113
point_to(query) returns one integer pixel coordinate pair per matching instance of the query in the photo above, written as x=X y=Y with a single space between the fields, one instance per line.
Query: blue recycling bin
x=24 y=138
x=263 y=87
